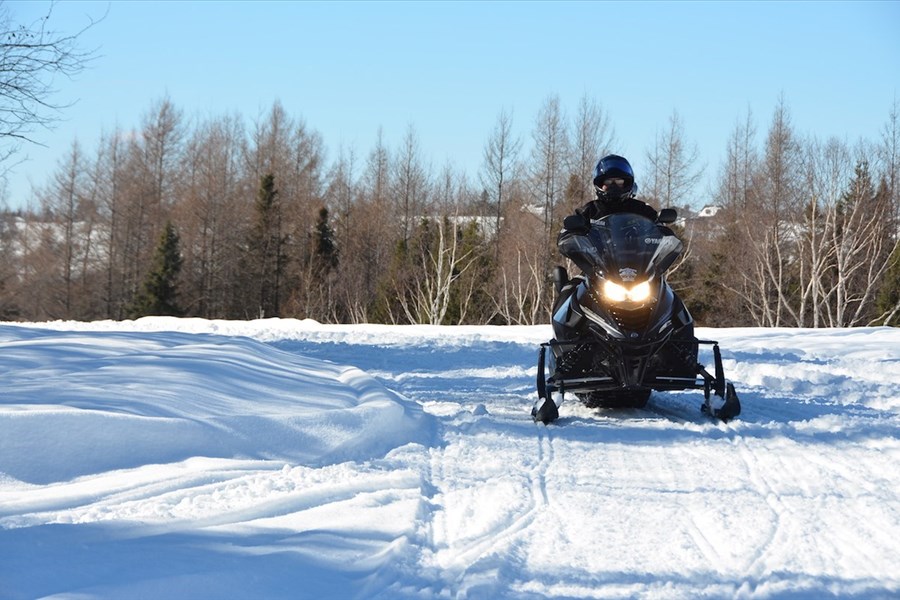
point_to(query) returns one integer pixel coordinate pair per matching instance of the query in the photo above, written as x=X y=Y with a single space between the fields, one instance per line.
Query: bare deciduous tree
x=32 y=56
x=674 y=172
x=444 y=261
x=801 y=240
x=770 y=217
x=61 y=204
x=889 y=157
x=736 y=181
x=213 y=217
x=519 y=292
x=501 y=153
x=410 y=182
x=592 y=138
x=548 y=183
x=368 y=235
x=549 y=136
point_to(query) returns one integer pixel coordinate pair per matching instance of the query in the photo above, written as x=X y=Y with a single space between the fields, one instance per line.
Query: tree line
x=220 y=218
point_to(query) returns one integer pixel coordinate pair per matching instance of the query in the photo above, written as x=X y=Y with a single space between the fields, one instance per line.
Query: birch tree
x=773 y=210
x=444 y=260
x=859 y=238
x=825 y=178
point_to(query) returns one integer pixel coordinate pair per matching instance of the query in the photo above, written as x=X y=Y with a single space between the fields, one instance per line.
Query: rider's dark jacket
x=580 y=222
x=600 y=208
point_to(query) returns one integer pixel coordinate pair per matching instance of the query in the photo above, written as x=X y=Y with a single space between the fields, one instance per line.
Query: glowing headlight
x=617 y=293
x=640 y=292
x=614 y=291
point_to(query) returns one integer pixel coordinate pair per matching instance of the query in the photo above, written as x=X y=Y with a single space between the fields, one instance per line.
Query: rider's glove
x=577 y=223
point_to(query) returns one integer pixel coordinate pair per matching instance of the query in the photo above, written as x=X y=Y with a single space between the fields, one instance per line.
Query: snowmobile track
x=504 y=536
x=756 y=474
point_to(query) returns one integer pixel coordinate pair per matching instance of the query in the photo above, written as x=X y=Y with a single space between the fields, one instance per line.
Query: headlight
x=618 y=293
x=640 y=292
x=614 y=291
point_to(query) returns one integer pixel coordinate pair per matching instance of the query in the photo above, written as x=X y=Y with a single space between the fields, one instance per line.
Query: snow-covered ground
x=169 y=458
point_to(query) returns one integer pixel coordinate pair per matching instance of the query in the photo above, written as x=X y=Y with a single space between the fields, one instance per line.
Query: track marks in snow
x=661 y=500
x=490 y=491
x=248 y=498
x=129 y=485
x=545 y=459
x=478 y=516
x=814 y=510
x=796 y=496
x=758 y=559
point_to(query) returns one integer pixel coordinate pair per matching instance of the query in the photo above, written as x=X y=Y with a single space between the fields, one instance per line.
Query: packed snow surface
x=167 y=458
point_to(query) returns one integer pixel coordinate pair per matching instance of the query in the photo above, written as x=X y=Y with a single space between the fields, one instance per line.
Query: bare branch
x=32 y=57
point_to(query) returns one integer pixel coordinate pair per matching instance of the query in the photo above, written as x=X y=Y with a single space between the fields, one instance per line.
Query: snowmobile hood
x=623 y=247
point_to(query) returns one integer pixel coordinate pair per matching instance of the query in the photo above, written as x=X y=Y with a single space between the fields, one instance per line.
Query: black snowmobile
x=619 y=329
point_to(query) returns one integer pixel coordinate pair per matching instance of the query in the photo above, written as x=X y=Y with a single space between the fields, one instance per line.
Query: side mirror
x=667 y=216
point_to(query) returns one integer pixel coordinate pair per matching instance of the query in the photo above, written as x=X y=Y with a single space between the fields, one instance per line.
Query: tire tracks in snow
x=472 y=561
x=675 y=409
x=546 y=456
x=756 y=565
x=506 y=535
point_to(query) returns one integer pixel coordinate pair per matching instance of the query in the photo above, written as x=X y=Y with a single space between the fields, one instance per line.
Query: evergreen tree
x=888 y=302
x=326 y=252
x=315 y=295
x=159 y=295
x=266 y=250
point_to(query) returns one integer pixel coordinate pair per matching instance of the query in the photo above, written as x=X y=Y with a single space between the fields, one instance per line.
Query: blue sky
x=448 y=68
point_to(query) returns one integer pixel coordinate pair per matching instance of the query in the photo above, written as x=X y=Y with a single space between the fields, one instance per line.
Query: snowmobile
x=619 y=330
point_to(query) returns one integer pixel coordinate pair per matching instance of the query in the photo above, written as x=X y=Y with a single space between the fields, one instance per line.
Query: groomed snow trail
x=240 y=469
x=798 y=497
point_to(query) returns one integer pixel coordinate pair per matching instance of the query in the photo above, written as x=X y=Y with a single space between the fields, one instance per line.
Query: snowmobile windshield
x=624 y=247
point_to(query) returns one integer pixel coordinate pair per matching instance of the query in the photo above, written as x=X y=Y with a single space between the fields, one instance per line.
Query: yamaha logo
x=627 y=274
x=651 y=240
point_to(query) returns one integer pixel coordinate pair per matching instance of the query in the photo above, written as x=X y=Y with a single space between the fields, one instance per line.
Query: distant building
x=708 y=211
x=487 y=225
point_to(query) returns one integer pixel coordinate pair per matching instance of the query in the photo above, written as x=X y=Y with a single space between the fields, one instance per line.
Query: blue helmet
x=614 y=179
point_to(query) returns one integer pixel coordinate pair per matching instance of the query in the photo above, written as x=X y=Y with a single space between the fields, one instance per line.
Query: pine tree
x=326 y=254
x=159 y=295
x=316 y=292
x=888 y=302
x=266 y=250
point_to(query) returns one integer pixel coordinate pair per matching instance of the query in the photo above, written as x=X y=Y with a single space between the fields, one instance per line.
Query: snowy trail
x=663 y=501
x=456 y=494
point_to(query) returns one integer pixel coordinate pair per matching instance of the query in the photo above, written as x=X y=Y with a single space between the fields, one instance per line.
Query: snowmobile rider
x=616 y=191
